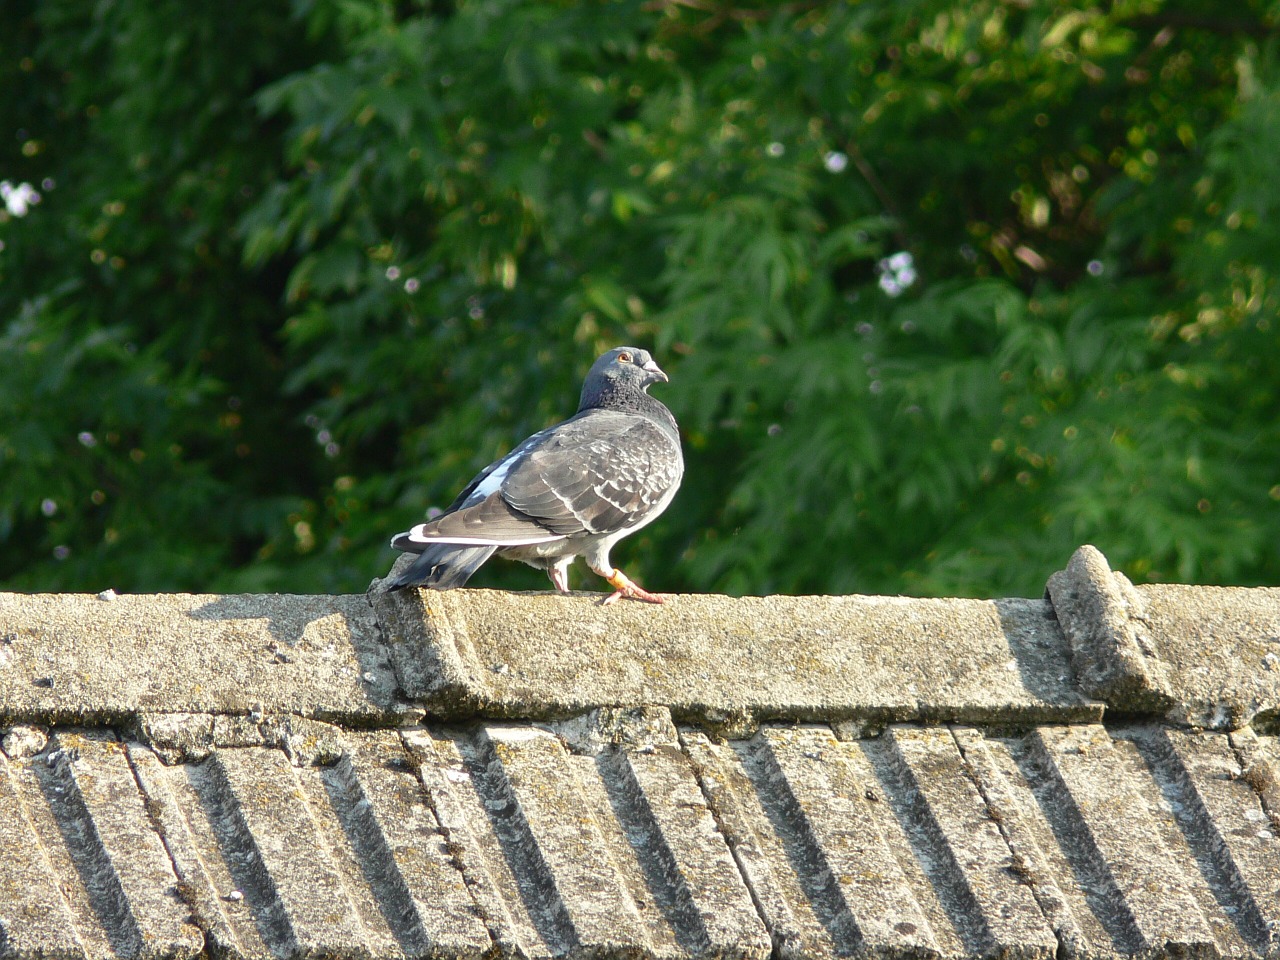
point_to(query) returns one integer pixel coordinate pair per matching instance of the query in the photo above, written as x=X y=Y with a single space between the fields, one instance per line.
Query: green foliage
x=945 y=289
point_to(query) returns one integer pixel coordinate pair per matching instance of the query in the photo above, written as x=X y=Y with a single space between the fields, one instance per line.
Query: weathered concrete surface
x=945 y=811
x=922 y=843
x=1108 y=818
x=1199 y=656
x=83 y=873
x=264 y=787
x=185 y=737
x=1035 y=854
x=397 y=846
x=1105 y=622
x=188 y=673
x=1221 y=650
x=729 y=662
x=35 y=920
x=120 y=858
x=609 y=855
x=1221 y=825
x=73 y=658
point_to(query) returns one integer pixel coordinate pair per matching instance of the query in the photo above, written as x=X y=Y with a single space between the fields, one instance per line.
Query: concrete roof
x=477 y=773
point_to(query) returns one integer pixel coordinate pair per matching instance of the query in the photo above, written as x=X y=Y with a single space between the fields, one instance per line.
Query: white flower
x=18 y=200
x=835 y=161
x=897 y=272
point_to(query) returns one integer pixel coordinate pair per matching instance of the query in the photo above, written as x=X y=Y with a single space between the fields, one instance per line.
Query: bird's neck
x=631 y=400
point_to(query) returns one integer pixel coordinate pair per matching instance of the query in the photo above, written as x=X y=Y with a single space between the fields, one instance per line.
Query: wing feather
x=596 y=474
x=489 y=522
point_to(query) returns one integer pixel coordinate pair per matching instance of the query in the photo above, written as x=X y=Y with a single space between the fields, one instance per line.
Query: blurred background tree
x=945 y=289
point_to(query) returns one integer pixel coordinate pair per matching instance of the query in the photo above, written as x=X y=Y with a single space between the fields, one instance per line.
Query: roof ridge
x=1095 y=646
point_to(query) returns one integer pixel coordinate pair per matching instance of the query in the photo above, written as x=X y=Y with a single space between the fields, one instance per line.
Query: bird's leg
x=624 y=586
x=559 y=574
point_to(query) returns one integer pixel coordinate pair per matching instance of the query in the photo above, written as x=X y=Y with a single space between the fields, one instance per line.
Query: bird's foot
x=624 y=586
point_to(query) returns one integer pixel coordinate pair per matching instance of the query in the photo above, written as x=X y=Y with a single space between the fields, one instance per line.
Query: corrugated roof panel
x=117 y=882
x=459 y=796
x=280 y=860
x=1236 y=831
x=534 y=788
x=338 y=860
x=34 y=916
x=395 y=845
x=119 y=856
x=287 y=804
x=877 y=846
x=960 y=844
x=779 y=894
x=1094 y=842
x=672 y=930
x=596 y=855
x=184 y=810
x=1185 y=778
x=683 y=855
x=824 y=804
x=1109 y=834
x=1036 y=856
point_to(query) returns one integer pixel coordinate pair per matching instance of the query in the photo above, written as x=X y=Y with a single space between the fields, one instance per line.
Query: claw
x=626 y=587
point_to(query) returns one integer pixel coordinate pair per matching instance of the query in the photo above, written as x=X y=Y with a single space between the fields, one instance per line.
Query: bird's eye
x=624 y=357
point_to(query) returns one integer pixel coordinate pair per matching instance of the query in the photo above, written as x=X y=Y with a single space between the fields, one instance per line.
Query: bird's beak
x=656 y=371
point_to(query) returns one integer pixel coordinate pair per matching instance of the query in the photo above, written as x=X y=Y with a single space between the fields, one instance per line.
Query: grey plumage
x=572 y=490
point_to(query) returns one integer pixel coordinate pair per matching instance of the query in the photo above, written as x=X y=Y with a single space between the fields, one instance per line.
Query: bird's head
x=628 y=365
x=619 y=372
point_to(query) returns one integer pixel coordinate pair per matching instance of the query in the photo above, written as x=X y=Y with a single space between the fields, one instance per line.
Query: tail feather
x=442 y=566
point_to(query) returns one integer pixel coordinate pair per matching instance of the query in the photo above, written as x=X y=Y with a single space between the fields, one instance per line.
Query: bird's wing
x=599 y=473
x=490 y=522
x=478 y=488
x=482 y=486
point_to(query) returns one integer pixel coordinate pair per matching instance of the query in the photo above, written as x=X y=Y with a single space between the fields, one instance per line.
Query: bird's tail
x=442 y=566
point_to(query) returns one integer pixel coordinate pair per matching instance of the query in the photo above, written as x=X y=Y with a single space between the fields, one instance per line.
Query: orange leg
x=624 y=586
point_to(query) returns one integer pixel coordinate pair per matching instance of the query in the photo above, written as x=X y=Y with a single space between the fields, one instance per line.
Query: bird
x=572 y=490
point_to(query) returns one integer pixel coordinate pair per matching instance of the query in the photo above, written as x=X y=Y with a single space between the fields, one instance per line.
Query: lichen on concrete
x=24 y=740
x=594 y=732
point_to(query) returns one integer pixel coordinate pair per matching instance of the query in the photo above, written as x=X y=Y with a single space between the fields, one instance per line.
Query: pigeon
x=571 y=490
